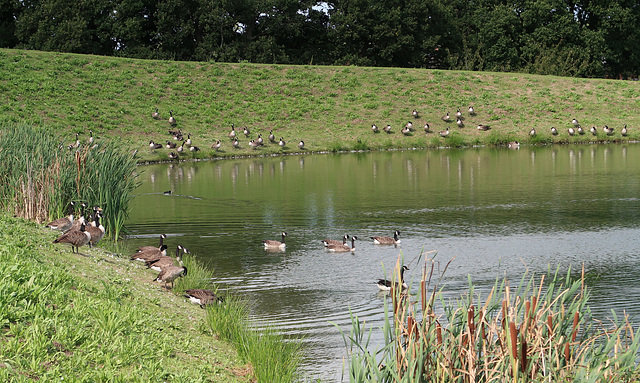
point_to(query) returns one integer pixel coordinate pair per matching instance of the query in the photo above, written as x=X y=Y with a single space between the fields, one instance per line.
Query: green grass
x=330 y=108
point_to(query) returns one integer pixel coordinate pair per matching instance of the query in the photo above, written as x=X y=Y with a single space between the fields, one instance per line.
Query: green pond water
x=492 y=212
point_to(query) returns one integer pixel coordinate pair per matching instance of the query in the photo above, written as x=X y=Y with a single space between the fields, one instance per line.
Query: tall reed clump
x=537 y=332
x=42 y=176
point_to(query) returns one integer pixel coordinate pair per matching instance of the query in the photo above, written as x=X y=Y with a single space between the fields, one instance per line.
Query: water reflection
x=495 y=212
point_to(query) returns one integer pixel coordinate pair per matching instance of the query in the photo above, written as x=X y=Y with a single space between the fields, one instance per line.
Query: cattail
x=438 y=333
x=514 y=339
x=550 y=325
x=523 y=356
x=472 y=325
x=574 y=332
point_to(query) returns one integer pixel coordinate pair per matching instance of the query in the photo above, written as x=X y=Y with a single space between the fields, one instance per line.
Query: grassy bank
x=330 y=108
x=98 y=317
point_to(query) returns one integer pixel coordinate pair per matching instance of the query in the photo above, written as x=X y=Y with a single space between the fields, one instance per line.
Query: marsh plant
x=41 y=176
x=540 y=331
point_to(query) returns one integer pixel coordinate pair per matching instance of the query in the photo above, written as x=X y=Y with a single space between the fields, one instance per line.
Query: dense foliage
x=587 y=39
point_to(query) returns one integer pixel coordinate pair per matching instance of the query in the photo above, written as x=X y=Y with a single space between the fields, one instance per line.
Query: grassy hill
x=330 y=108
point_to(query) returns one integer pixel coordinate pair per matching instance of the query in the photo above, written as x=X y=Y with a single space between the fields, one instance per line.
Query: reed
x=537 y=332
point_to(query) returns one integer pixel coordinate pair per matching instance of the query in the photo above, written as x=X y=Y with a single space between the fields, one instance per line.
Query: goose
x=216 y=146
x=253 y=144
x=444 y=133
x=532 y=132
x=513 y=145
x=153 y=146
x=160 y=262
x=202 y=297
x=171 y=145
x=427 y=128
x=232 y=133
x=301 y=144
x=273 y=244
x=177 y=135
x=327 y=242
x=624 y=131
x=343 y=248
x=415 y=114
x=593 y=130
x=76 y=144
x=147 y=254
x=246 y=132
x=608 y=130
x=188 y=141
x=180 y=148
x=459 y=114
x=483 y=128
x=386 y=285
x=472 y=111
x=571 y=131
x=172 y=120
x=374 y=128
x=145 y=248
x=76 y=223
x=235 y=143
x=173 y=156
x=271 y=137
x=575 y=122
x=194 y=149
x=64 y=223
x=554 y=131
x=281 y=142
x=76 y=238
x=446 y=117
x=90 y=136
x=580 y=130
x=459 y=122
x=170 y=274
x=387 y=129
x=96 y=229
x=260 y=140
x=387 y=240
x=409 y=125
x=155 y=115
x=406 y=131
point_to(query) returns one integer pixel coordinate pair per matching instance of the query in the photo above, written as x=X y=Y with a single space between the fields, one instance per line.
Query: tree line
x=591 y=38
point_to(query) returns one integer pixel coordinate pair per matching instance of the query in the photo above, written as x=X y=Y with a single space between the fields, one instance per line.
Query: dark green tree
x=8 y=15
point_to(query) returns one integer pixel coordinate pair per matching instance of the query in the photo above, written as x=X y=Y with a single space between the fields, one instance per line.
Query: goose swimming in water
x=385 y=284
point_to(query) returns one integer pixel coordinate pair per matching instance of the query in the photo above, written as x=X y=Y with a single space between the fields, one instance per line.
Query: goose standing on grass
x=155 y=115
x=76 y=238
x=458 y=114
x=281 y=143
x=188 y=141
x=160 y=262
x=173 y=156
x=593 y=130
x=246 y=131
x=374 y=128
x=172 y=120
x=253 y=144
x=343 y=248
x=444 y=133
x=96 y=229
x=459 y=122
x=153 y=146
x=146 y=248
x=446 y=117
x=76 y=223
x=571 y=131
x=554 y=131
x=64 y=223
x=580 y=130
x=271 y=137
x=608 y=130
x=171 y=145
x=217 y=145
x=532 y=132
x=273 y=244
x=301 y=145
x=387 y=129
x=387 y=240
x=415 y=114
x=145 y=255
x=624 y=131
x=170 y=274
x=406 y=131
x=232 y=133
x=235 y=143
x=472 y=111
x=409 y=125
x=575 y=122
x=327 y=242
x=180 y=148
x=386 y=285
x=91 y=137
x=76 y=144
x=194 y=148
x=483 y=127
x=427 y=128
x=260 y=140
x=202 y=297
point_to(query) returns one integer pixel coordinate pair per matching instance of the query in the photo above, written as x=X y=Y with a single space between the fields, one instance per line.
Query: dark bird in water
x=387 y=240
x=386 y=285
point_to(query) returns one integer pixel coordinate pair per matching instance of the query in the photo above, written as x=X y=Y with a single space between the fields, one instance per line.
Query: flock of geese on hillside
x=79 y=232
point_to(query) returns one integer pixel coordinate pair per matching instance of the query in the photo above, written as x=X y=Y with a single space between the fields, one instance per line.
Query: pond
x=491 y=212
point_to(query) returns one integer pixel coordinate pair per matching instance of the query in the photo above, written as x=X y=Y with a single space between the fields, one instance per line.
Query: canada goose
x=188 y=141
x=343 y=248
x=77 y=222
x=172 y=120
x=76 y=238
x=483 y=128
x=571 y=131
x=446 y=117
x=273 y=244
x=554 y=131
x=580 y=130
x=155 y=115
x=513 y=145
x=374 y=128
x=96 y=229
x=177 y=135
x=406 y=131
x=271 y=137
x=459 y=114
x=161 y=262
x=387 y=129
x=180 y=148
x=171 y=145
x=327 y=242
x=301 y=144
x=608 y=130
x=281 y=142
x=170 y=274
x=154 y=146
x=593 y=130
x=235 y=143
x=409 y=125
x=145 y=248
x=216 y=146
x=387 y=240
x=459 y=122
x=202 y=297
x=624 y=131
x=147 y=254
x=260 y=140
x=90 y=137
x=194 y=148
x=64 y=223
x=385 y=284
x=472 y=111
x=173 y=156
x=253 y=144
x=427 y=128
x=575 y=122
x=232 y=133
x=415 y=114
x=532 y=132
x=76 y=144
x=444 y=133
x=246 y=132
